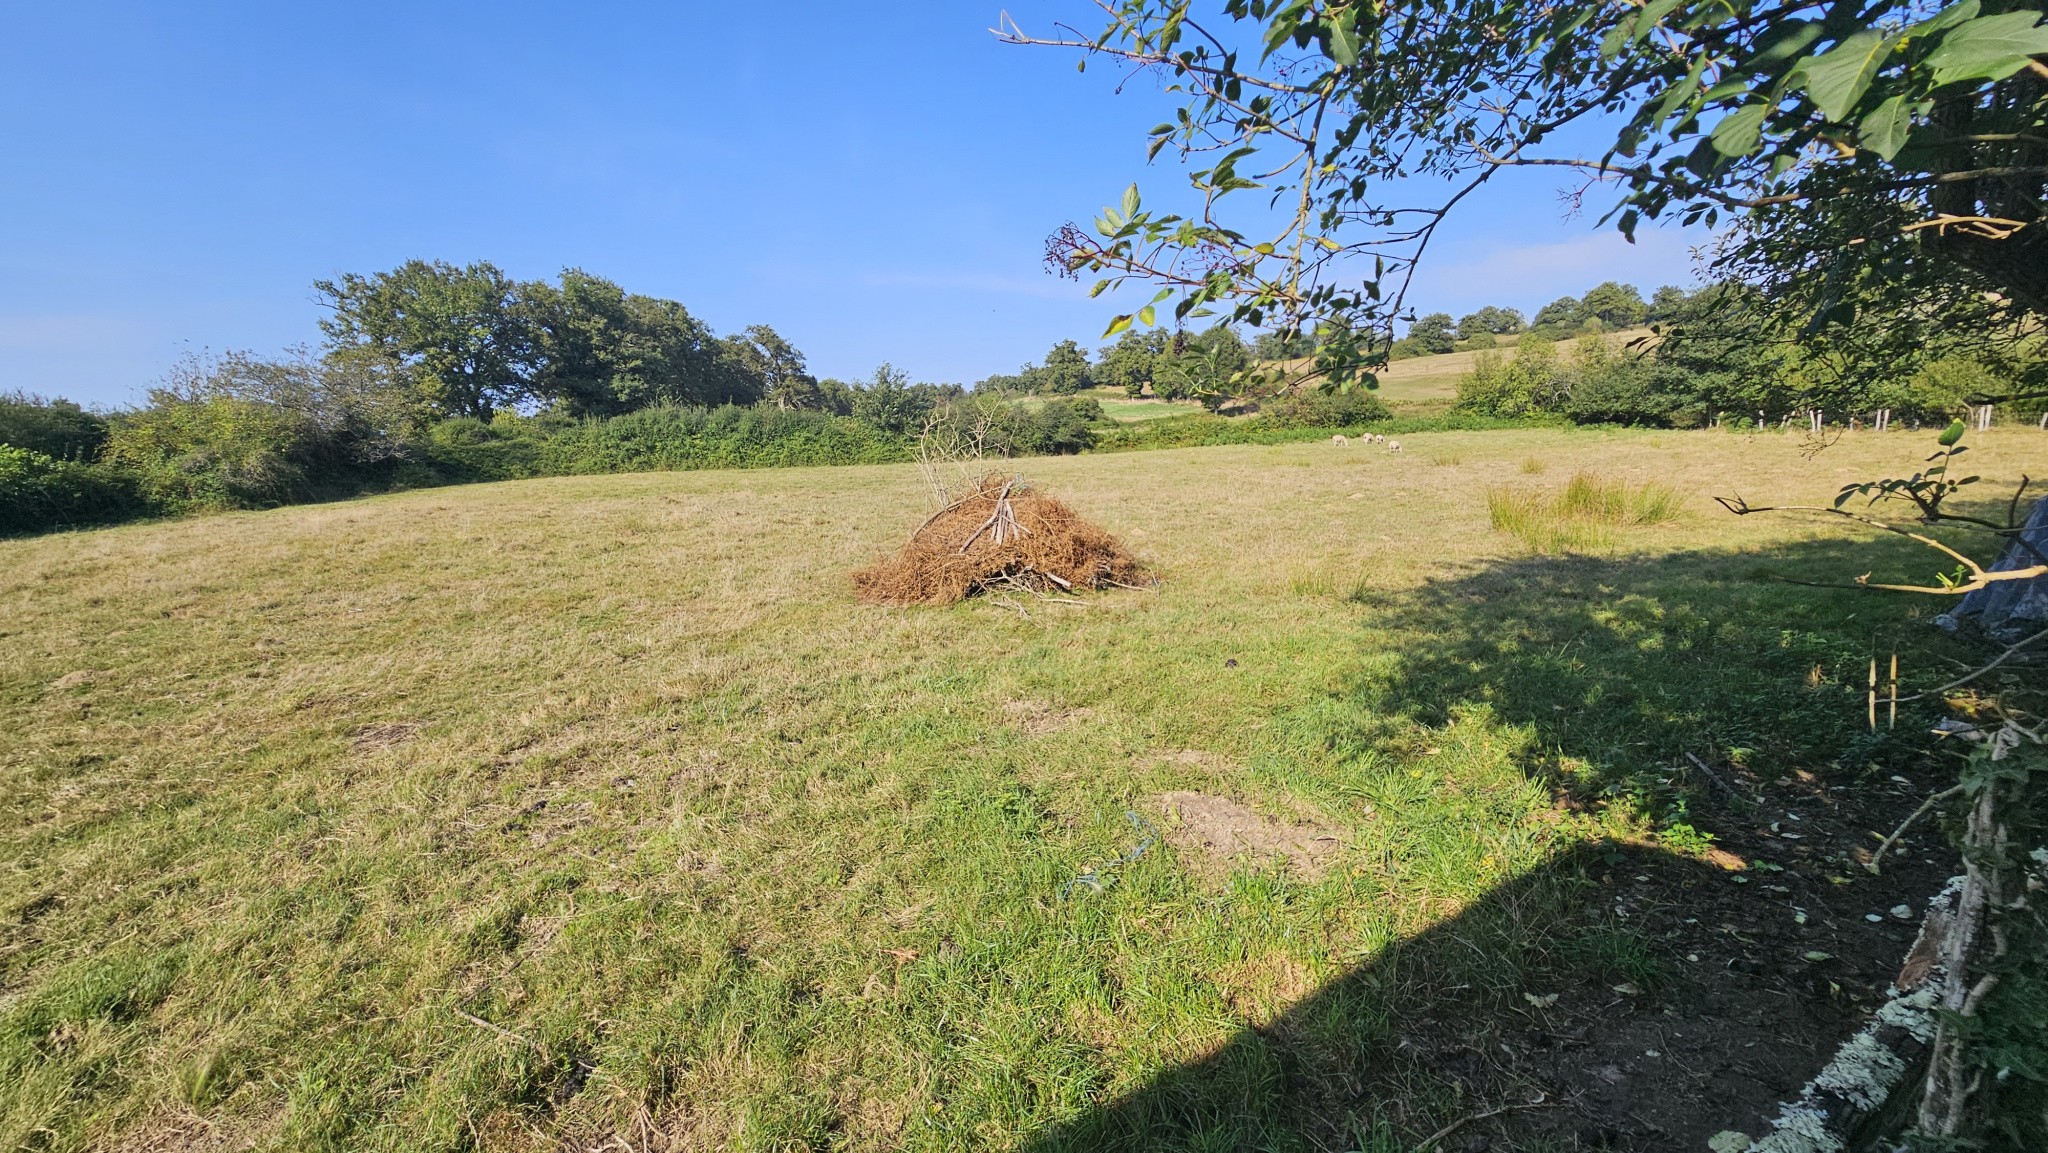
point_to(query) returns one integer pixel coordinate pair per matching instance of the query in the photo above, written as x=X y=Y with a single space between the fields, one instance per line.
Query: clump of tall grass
x=1583 y=515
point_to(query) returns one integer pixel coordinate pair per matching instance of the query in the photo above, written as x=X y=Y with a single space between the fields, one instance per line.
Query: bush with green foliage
x=55 y=428
x=1527 y=384
x=238 y=431
x=39 y=492
x=197 y=453
x=1610 y=383
x=890 y=403
x=1312 y=408
x=1055 y=428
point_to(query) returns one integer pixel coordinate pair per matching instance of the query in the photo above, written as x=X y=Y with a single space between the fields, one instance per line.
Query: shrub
x=1055 y=428
x=56 y=428
x=219 y=452
x=39 y=492
x=1532 y=382
x=1313 y=409
x=465 y=450
x=1611 y=385
x=726 y=437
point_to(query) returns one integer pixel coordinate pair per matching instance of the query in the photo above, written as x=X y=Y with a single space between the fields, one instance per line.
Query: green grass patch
x=1584 y=515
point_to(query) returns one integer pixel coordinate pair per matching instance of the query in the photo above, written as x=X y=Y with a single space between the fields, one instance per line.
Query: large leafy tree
x=1616 y=305
x=1491 y=320
x=602 y=351
x=1130 y=363
x=455 y=334
x=1329 y=109
x=1066 y=368
x=1434 y=332
x=775 y=368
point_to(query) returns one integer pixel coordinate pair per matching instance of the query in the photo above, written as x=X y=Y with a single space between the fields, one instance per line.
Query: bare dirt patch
x=1038 y=719
x=1195 y=757
x=180 y=1132
x=1212 y=833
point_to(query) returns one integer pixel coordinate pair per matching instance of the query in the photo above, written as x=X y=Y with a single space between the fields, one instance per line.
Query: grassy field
x=592 y=812
x=1126 y=410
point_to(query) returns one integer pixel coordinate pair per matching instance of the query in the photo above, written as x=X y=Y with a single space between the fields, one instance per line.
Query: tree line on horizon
x=435 y=373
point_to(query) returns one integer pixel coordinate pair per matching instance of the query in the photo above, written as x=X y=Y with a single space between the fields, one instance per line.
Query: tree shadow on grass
x=1626 y=994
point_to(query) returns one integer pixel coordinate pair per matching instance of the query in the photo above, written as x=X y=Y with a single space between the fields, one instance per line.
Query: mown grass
x=528 y=815
x=1586 y=513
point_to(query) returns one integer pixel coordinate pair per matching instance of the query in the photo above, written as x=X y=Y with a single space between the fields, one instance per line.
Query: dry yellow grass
x=291 y=800
x=1431 y=382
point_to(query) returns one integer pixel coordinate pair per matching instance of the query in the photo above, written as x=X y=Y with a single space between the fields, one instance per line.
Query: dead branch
x=1716 y=778
x=1925 y=805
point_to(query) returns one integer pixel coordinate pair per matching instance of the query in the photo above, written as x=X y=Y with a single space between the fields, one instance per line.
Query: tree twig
x=1430 y=1141
x=1716 y=778
x=500 y=1030
x=1907 y=823
x=1959 y=682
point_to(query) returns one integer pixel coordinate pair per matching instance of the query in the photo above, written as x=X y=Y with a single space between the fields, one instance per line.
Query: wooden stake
x=1893 y=692
x=1873 y=694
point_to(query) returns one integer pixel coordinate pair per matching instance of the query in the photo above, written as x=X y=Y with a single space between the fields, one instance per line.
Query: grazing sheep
x=1393 y=446
x=1340 y=439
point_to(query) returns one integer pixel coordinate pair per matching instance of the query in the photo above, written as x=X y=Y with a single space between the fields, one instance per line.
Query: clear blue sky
x=875 y=181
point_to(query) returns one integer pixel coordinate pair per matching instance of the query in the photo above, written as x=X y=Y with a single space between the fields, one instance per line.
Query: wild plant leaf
x=1884 y=131
x=1988 y=48
x=1738 y=132
x=1838 y=78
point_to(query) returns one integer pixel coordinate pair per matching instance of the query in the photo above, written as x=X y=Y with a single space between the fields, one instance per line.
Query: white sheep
x=1340 y=439
x=1393 y=446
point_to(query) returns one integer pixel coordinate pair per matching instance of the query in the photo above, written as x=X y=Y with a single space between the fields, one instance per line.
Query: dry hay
x=1001 y=535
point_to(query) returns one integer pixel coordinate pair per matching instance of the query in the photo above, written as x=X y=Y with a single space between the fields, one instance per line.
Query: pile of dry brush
x=1002 y=535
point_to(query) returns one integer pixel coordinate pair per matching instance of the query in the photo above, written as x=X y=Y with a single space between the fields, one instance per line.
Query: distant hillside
x=1432 y=381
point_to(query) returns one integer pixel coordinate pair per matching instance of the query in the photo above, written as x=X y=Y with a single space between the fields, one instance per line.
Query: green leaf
x=1884 y=131
x=1145 y=316
x=1116 y=325
x=1950 y=16
x=1838 y=78
x=1952 y=434
x=1988 y=48
x=1738 y=132
x=1130 y=204
x=1343 y=41
x=1783 y=42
